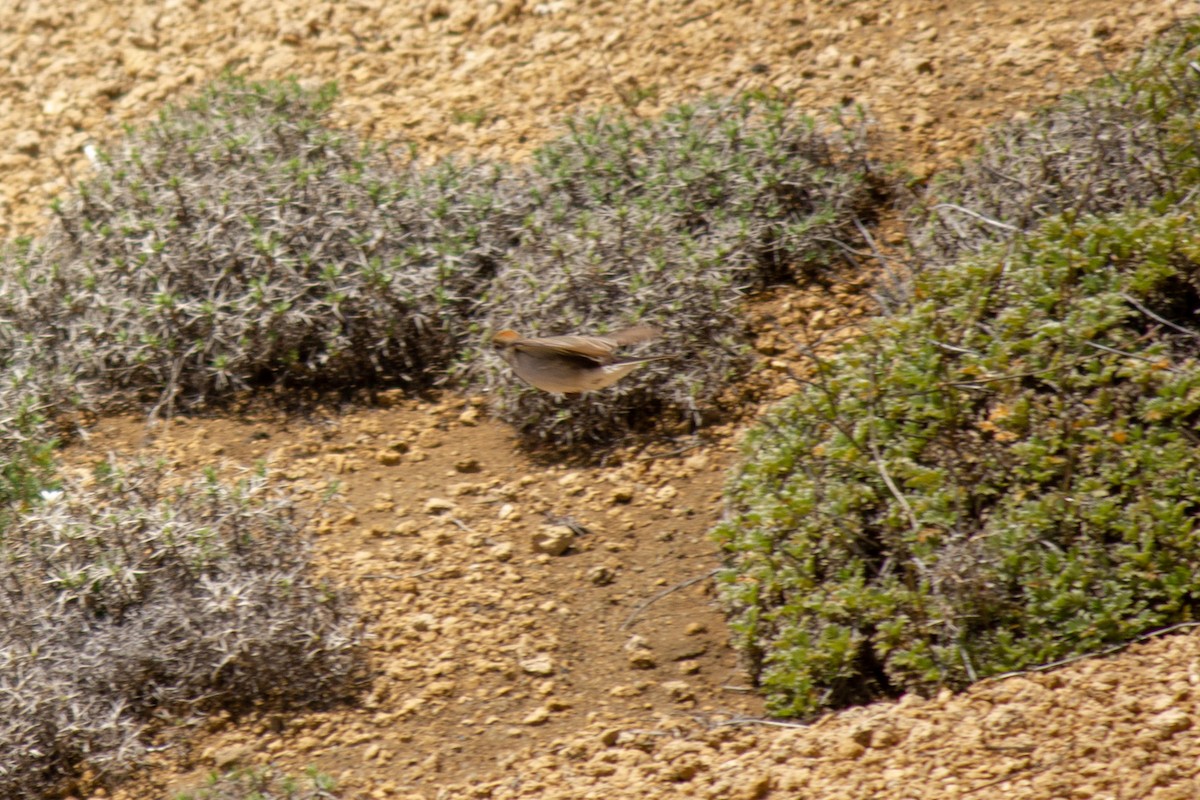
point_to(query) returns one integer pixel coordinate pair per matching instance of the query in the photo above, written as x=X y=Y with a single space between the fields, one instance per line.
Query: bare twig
x=978 y=216
x=1133 y=302
x=642 y=606
x=1124 y=354
x=1108 y=651
x=383 y=577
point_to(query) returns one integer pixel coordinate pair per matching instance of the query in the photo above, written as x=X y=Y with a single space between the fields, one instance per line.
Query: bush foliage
x=1004 y=475
x=1128 y=141
x=133 y=601
x=668 y=222
x=240 y=242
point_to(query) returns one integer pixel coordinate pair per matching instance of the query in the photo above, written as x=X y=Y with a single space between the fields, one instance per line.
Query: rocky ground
x=505 y=668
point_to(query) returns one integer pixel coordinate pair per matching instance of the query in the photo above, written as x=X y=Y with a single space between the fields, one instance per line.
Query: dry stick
x=1122 y=353
x=1031 y=770
x=978 y=216
x=399 y=577
x=642 y=606
x=891 y=485
x=1133 y=302
x=1108 y=651
x=740 y=720
x=895 y=285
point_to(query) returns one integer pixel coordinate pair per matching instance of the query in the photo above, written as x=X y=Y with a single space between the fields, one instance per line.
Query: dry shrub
x=1128 y=141
x=131 y=602
x=669 y=222
x=237 y=242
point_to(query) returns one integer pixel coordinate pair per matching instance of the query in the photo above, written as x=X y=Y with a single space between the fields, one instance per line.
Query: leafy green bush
x=132 y=602
x=1128 y=141
x=668 y=222
x=247 y=784
x=1006 y=474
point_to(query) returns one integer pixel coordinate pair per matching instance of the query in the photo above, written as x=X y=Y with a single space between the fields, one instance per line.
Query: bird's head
x=504 y=338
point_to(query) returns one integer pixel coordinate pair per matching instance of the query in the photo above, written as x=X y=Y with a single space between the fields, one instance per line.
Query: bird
x=573 y=364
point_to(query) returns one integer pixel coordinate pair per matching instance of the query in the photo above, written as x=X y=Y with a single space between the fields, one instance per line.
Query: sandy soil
x=603 y=672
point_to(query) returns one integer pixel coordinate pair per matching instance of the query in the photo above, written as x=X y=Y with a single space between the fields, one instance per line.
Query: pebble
x=552 y=539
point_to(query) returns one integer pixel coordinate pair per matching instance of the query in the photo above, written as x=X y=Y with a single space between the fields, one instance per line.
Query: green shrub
x=1128 y=141
x=668 y=222
x=1004 y=475
x=133 y=602
x=249 y=784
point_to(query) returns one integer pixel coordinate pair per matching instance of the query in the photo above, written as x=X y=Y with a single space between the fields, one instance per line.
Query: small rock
x=388 y=458
x=1170 y=722
x=470 y=417
x=689 y=667
x=537 y=716
x=622 y=495
x=509 y=511
x=642 y=659
x=406 y=527
x=679 y=691
x=438 y=505
x=695 y=628
x=687 y=650
x=423 y=622
x=502 y=552
x=553 y=539
x=467 y=465
x=751 y=787
x=848 y=749
x=666 y=494
x=540 y=664
x=28 y=142
x=601 y=575
x=430 y=439
x=307 y=744
x=224 y=758
x=921 y=65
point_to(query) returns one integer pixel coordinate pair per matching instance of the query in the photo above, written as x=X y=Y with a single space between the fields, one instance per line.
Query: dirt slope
x=603 y=672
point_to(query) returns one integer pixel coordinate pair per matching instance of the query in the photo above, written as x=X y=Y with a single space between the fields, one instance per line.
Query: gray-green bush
x=133 y=602
x=239 y=241
x=1005 y=474
x=1128 y=141
x=670 y=222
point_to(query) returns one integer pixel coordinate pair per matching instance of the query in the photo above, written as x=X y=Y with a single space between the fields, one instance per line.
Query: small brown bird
x=573 y=364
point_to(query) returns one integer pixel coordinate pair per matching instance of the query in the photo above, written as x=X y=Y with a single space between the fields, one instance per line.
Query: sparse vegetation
x=133 y=600
x=240 y=242
x=251 y=784
x=669 y=222
x=1128 y=141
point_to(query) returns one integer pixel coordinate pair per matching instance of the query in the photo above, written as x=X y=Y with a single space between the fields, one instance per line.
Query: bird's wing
x=597 y=348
